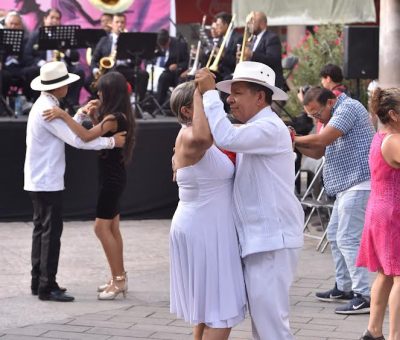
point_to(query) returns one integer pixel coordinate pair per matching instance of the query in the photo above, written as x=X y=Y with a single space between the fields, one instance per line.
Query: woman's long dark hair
x=116 y=101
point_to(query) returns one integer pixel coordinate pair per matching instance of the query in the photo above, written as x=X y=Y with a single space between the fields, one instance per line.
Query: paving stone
x=160 y=328
x=101 y=323
x=75 y=336
x=171 y=336
x=22 y=337
x=139 y=333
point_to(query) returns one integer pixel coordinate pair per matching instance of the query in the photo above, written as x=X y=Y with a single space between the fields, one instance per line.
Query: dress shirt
x=258 y=39
x=162 y=59
x=45 y=148
x=267 y=214
x=114 y=41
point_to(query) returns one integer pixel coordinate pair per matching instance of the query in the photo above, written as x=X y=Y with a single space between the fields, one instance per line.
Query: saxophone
x=105 y=63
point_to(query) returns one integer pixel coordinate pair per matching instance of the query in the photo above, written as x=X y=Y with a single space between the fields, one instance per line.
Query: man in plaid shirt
x=345 y=142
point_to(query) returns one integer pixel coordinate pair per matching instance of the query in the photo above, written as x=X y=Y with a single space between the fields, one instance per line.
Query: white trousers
x=268 y=276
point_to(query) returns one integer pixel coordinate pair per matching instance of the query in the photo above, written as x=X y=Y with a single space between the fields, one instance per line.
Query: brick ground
x=144 y=314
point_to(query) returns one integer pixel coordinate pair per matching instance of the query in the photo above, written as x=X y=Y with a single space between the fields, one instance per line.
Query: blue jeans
x=344 y=234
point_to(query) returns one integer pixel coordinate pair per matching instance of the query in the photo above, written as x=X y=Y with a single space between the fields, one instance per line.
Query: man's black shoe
x=358 y=305
x=56 y=295
x=35 y=289
x=334 y=295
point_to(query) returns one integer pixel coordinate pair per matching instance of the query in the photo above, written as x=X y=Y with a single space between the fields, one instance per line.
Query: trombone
x=214 y=66
x=196 y=63
x=247 y=36
x=196 y=60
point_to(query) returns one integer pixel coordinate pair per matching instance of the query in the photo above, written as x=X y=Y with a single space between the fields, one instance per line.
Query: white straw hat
x=253 y=72
x=52 y=76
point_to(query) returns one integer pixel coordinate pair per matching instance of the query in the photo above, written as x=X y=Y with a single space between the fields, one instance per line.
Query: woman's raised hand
x=53 y=113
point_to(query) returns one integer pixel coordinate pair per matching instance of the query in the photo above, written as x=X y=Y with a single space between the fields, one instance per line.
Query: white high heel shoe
x=113 y=290
x=103 y=287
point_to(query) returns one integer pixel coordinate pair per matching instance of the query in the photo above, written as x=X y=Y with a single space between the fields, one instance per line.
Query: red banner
x=192 y=11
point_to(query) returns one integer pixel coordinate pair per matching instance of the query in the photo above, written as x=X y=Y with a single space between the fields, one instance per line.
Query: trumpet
x=214 y=66
x=247 y=36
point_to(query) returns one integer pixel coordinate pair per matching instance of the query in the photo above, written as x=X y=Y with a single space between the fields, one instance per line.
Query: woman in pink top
x=380 y=244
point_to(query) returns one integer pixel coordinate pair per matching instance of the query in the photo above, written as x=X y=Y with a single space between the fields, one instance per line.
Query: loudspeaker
x=361 y=52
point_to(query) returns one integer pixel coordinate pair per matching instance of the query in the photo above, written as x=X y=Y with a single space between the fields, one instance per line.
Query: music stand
x=89 y=37
x=10 y=44
x=136 y=46
x=150 y=94
x=58 y=37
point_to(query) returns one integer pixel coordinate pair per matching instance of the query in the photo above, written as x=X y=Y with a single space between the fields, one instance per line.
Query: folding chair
x=318 y=205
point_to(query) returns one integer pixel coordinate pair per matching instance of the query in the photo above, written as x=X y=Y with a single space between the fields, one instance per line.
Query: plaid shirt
x=347 y=157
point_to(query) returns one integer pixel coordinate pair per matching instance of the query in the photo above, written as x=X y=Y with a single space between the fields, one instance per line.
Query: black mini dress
x=112 y=176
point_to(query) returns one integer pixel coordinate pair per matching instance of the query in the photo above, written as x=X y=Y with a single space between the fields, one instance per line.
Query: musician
x=36 y=58
x=174 y=57
x=227 y=63
x=106 y=22
x=13 y=68
x=266 y=47
x=106 y=47
x=213 y=33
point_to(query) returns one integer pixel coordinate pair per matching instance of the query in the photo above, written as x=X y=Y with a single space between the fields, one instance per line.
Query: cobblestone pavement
x=144 y=314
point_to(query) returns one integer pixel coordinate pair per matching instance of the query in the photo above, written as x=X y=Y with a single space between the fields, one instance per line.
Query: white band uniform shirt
x=45 y=147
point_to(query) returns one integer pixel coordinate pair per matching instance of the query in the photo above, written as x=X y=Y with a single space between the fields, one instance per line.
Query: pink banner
x=142 y=15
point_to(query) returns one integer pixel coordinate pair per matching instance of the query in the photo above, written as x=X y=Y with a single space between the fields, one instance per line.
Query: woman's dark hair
x=254 y=87
x=116 y=101
x=47 y=13
x=384 y=100
x=318 y=94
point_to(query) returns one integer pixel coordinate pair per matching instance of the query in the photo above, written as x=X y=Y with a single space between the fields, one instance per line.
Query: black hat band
x=53 y=81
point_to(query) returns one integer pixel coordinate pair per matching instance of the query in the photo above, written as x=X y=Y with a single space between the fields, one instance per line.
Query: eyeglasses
x=318 y=113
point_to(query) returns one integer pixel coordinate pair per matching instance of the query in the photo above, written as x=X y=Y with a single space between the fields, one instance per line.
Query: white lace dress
x=207 y=283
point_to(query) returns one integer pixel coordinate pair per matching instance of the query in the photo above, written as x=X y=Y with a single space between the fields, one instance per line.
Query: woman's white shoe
x=114 y=289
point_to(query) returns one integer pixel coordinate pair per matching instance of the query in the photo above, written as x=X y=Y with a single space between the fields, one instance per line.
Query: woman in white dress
x=207 y=286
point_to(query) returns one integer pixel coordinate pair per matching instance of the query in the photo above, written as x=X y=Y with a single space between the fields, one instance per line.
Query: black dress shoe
x=35 y=289
x=56 y=295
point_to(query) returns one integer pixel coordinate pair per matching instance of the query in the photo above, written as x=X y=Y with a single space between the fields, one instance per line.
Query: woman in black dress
x=111 y=114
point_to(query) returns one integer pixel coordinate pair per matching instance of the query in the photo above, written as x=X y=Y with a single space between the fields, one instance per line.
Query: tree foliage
x=324 y=45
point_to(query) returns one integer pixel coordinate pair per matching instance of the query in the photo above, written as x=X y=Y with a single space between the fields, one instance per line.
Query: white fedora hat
x=253 y=72
x=52 y=76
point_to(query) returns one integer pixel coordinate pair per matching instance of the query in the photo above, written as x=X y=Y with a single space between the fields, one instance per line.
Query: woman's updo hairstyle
x=384 y=100
x=182 y=96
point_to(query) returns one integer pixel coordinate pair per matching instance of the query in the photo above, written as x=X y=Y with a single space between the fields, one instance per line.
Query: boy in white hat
x=268 y=216
x=44 y=176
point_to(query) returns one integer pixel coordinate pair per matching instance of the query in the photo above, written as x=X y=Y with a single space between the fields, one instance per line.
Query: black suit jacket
x=178 y=54
x=228 y=61
x=269 y=52
x=102 y=49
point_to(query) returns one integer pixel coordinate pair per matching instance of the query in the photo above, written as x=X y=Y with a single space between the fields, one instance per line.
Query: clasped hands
x=205 y=80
